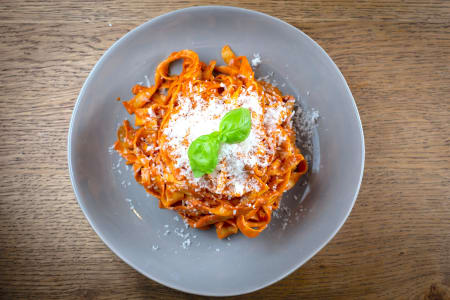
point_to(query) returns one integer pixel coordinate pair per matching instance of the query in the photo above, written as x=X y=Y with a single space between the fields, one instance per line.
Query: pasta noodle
x=250 y=177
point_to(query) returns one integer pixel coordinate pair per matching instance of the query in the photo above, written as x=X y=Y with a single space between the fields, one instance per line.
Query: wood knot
x=437 y=292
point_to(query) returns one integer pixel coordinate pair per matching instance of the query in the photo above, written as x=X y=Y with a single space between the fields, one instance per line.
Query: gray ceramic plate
x=155 y=242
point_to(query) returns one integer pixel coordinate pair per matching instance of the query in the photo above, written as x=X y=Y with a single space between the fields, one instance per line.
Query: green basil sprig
x=203 y=152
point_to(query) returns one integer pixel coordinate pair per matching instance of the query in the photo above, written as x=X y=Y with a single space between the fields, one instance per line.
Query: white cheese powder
x=256 y=61
x=235 y=160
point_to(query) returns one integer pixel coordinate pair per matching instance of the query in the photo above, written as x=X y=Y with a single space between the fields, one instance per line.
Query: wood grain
x=395 y=56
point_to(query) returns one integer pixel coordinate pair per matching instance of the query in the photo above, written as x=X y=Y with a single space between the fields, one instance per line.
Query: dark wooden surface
x=395 y=56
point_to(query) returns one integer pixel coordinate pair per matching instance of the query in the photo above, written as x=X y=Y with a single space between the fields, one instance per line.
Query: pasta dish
x=213 y=143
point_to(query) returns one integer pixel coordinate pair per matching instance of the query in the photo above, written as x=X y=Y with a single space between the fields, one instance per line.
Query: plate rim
x=75 y=187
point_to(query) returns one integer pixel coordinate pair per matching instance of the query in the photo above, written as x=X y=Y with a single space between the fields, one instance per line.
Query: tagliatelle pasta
x=250 y=177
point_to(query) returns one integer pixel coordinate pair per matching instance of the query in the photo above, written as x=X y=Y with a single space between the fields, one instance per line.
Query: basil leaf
x=203 y=154
x=235 y=126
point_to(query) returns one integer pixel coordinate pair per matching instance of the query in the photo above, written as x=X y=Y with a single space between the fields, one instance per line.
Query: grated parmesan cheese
x=186 y=244
x=233 y=174
x=190 y=122
x=147 y=81
x=256 y=61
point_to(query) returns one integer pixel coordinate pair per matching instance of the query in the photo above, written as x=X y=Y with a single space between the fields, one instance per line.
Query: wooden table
x=395 y=56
